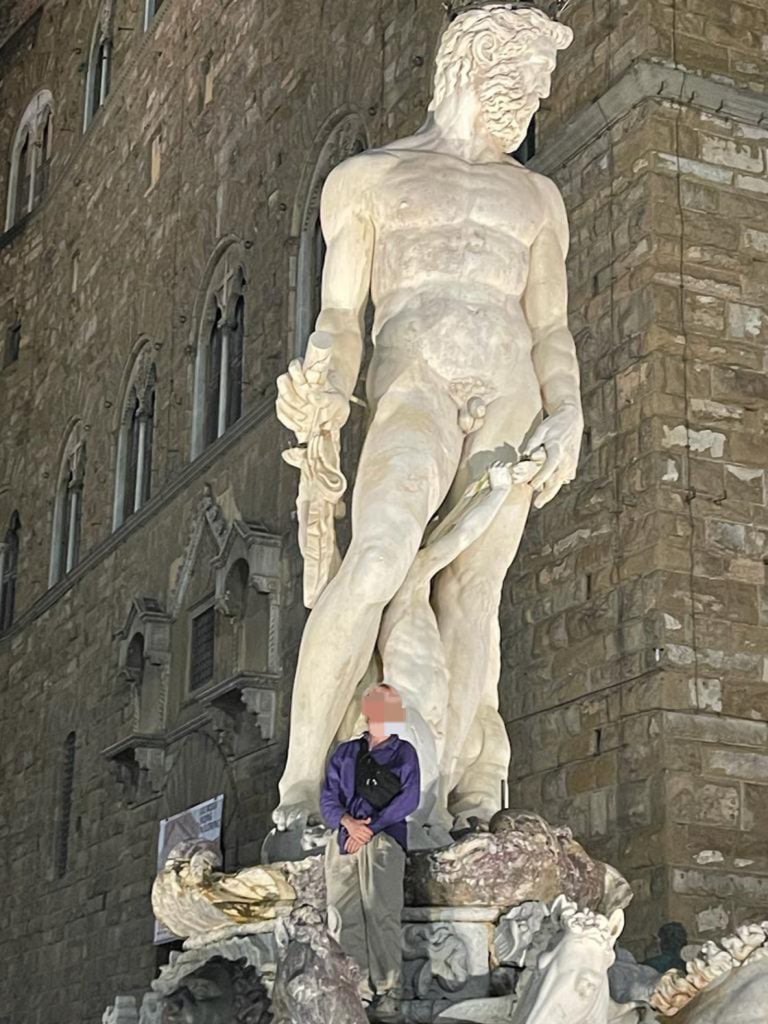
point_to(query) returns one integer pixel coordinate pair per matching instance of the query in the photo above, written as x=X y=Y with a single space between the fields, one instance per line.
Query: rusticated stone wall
x=635 y=622
x=232 y=170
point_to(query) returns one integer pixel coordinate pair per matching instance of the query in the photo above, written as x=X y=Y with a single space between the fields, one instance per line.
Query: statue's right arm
x=349 y=236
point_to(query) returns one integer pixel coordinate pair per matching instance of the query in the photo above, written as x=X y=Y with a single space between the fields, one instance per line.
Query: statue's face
x=510 y=91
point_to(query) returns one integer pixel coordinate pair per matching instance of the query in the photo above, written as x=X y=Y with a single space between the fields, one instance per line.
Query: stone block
x=736 y=764
x=446 y=952
x=757 y=184
x=729 y=383
x=729 y=153
x=697 y=168
x=755 y=812
x=745 y=484
x=747 y=322
x=713 y=919
x=721 y=885
x=691 y=799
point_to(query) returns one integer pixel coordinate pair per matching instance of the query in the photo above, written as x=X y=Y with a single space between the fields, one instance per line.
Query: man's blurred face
x=383 y=705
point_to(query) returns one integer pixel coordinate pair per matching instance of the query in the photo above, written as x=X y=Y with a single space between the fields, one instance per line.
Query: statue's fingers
x=537 y=439
x=547 y=493
x=286 y=387
x=298 y=377
x=550 y=467
x=288 y=399
x=291 y=418
x=524 y=471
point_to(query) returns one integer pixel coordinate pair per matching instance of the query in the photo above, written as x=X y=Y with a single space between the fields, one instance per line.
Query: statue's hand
x=306 y=400
x=560 y=436
x=500 y=476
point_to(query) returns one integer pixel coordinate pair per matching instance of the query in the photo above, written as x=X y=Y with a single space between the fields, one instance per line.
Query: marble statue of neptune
x=462 y=251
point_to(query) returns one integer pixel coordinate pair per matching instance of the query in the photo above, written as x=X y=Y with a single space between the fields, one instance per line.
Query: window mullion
x=223 y=381
x=139 y=484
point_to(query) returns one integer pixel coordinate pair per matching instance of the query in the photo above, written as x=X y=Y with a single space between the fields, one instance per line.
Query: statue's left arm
x=545 y=304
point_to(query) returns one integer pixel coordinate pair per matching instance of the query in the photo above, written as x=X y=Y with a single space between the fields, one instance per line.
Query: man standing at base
x=371 y=786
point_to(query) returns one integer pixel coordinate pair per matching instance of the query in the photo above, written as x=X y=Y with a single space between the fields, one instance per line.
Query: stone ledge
x=646 y=80
x=467 y=914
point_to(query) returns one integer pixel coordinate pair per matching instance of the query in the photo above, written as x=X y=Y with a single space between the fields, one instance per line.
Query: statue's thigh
x=409 y=459
x=507 y=425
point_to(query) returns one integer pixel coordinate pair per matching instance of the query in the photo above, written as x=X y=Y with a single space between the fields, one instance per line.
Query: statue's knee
x=376 y=570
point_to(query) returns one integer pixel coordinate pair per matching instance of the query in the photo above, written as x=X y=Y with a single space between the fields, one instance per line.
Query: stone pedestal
x=447 y=957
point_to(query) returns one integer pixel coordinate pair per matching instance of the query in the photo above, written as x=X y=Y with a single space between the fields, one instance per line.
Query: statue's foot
x=296 y=809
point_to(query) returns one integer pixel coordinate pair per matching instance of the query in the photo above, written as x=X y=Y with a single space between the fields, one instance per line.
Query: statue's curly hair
x=473 y=41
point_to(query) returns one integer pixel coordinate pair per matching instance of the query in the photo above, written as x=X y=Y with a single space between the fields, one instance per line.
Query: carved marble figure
x=462 y=251
x=190 y=897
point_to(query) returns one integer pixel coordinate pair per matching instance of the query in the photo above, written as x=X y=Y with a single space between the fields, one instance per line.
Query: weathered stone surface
x=446 y=952
x=316 y=982
x=521 y=859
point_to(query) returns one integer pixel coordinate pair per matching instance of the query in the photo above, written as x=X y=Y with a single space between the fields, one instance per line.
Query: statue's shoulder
x=352 y=183
x=361 y=168
x=544 y=185
x=549 y=192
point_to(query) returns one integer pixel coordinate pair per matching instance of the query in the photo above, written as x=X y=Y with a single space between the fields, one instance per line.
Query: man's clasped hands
x=359 y=833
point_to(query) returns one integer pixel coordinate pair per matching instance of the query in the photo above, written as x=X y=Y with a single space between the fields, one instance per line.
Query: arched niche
x=142 y=678
x=30 y=157
x=342 y=136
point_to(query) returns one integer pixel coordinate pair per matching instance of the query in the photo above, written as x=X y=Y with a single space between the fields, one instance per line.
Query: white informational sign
x=202 y=822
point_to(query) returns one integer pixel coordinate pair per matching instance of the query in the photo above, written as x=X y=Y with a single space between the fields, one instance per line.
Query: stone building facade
x=159 y=267
x=635 y=621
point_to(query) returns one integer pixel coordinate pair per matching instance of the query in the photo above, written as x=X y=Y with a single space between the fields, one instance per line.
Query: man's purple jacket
x=339 y=797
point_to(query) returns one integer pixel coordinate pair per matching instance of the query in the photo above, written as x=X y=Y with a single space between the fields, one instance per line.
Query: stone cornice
x=192 y=473
x=646 y=80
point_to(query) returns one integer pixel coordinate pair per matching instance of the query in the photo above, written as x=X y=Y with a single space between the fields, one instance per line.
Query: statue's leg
x=474 y=788
x=408 y=462
x=466 y=597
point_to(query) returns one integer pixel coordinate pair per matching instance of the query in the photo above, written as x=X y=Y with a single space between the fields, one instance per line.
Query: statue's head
x=571 y=978
x=506 y=58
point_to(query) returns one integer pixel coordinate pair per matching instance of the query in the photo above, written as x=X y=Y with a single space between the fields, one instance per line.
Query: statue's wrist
x=563 y=403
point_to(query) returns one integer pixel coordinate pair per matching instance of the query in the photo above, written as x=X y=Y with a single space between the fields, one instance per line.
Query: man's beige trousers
x=366 y=888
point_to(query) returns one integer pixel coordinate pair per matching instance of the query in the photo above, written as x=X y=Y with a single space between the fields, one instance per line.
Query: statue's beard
x=507 y=109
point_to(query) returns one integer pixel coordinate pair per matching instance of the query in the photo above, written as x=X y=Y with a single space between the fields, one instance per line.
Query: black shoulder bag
x=373 y=781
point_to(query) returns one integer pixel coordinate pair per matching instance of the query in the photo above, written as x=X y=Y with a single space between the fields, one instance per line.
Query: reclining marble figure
x=462 y=250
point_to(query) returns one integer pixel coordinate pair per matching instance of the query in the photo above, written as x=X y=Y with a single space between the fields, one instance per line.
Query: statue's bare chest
x=427 y=193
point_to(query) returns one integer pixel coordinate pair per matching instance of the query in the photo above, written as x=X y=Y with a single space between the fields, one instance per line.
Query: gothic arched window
x=133 y=482
x=9 y=566
x=219 y=364
x=30 y=158
x=97 y=81
x=346 y=138
x=68 y=508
